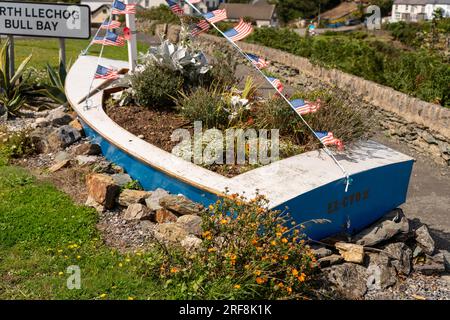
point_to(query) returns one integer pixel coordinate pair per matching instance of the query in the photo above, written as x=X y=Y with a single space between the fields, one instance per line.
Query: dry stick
x=327 y=151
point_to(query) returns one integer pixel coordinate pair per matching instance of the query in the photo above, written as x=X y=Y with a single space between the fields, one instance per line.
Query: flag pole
x=132 y=45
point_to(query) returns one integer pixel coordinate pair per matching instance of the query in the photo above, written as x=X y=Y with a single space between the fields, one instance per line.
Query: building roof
x=421 y=2
x=240 y=10
x=96 y=4
x=340 y=11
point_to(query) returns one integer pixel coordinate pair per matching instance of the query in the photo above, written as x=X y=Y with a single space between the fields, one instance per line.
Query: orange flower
x=237 y=286
x=301 y=277
x=173 y=270
x=260 y=280
x=254 y=242
x=274 y=243
x=257 y=273
x=289 y=290
x=284 y=240
x=294 y=272
x=285 y=257
x=223 y=221
x=278 y=234
x=281 y=285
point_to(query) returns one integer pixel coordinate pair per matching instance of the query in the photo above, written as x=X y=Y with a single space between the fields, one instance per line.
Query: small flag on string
x=200 y=27
x=216 y=15
x=110 y=39
x=327 y=139
x=259 y=62
x=105 y=73
x=118 y=7
x=176 y=9
x=240 y=31
x=303 y=107
x=110 y=24
x=276 y=83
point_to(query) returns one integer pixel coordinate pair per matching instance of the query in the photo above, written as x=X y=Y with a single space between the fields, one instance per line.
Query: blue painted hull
x=371 y=194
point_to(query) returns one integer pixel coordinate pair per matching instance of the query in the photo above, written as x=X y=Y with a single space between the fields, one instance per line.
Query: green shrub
x=257 y=254
x=156 y=86
x=223 y=71
x=206 y=105
x=15 y=144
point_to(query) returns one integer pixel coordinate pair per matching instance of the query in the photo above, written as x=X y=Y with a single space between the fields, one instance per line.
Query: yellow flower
x=127 y=260
x=257 y=273
x=233 y=257
x=294 y=272
x=223 y=221
x=274 y=243
x=281 y=285
x=289 y=290
x=237 y=286
x=301 y=277
x=78 y=257
x=138 y=254
x=211 y=207
x=120 y=265
x=284 y=240
x=285 y=257
x=278 y=234
x=247 y=266
x=173 y=270
x=130 y=298
x=59 y=251
x=103 y=295
x=260 y=280
x=60 y=273
x=212 y=250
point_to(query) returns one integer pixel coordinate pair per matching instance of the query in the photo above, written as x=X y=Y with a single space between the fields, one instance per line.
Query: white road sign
x=45 y=20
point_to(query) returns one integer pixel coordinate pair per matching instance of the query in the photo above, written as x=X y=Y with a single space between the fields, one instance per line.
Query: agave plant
x=15 y=88
x=55 y=90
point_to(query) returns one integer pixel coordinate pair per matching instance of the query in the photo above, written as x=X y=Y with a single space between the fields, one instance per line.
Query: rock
x=61 y=156
x=153 y=200
x=121 y=179
x=63 y=137
x=180 y=205
x=90 y=202
x=432 y=265
x=76 y=125
x=87 y=149
x=446 y=255
x=128 y=197
x=59 y=165
x=349 y=278
x=192 y=224
x=330 y=261
x=103 y=166
x=137 y=211
x=384 y=229
x=147 y=226
x=41 y=122
x=170 y=232
x=39 y=138
x=321 y=252
x=425 y=240
x=57 y=118
x=103 y=189
x=381 y=274
x=417 y=251
x=351 y=252
x=428 y=138
x=3 y=114
x=401 y=255
x=191 y=242
x=163 y=216
x=116 y=168
x=86 y=160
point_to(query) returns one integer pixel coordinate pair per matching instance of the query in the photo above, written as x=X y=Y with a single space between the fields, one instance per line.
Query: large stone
x=63 y=137
x=86 y=160
x=39 y=137
x=76 y=125
x=425 y=240
x=122 y=179
x=350 y=279
x=191 y=242
x=58 y=118
x=59 y=165
x=103 y=189
x=41 y=122
x=192 y=224
x=351 y=252
x=153 y=200
x=128 y=197
x=87 y=149
x=137 y=211
x=170 y=232
x=180 y=205
x=163 y=216
x=381 y=274
x=321 y=252
x=432 y=265
x=384 y=229
x=446 y=255
x=90 y=202
x=401 y=255
x=61 y=156
x=329 y=261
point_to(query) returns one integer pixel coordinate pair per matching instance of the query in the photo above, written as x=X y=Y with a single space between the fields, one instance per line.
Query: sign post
x=132 y=47
x=62 y=51
x=11 y=56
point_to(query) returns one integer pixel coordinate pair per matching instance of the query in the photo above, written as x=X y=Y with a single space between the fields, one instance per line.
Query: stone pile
x=379 y=256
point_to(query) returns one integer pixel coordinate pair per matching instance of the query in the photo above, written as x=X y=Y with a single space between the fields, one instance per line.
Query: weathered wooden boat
x=310 y=185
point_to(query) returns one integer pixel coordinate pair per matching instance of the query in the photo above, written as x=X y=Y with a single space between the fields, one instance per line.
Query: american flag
x=240 y=31
x=110 y=39
x=200 y=27
x=276 y=83
x=328 y=138
x=176 y=9
x=194 y=1
x=216 y=15
x=304 y=107
x=110 y=24
x=119 y=7
x=105 y=73
x=259 y=62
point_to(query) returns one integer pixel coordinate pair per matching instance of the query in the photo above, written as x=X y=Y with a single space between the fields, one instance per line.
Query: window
x=407 y=7
x=147 y=2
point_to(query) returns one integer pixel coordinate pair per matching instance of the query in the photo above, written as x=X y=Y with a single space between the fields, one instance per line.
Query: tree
x=289 y=10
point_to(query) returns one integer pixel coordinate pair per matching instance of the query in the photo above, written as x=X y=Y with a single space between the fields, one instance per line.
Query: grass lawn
x=42 y=233
x=47 y=50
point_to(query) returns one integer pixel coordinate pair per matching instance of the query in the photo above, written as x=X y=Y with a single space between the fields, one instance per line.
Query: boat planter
x=309 y=184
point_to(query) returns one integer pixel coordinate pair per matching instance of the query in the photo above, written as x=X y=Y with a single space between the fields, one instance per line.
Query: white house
x=417 y=10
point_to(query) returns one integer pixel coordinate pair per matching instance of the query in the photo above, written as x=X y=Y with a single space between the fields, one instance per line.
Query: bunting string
x=239 y=32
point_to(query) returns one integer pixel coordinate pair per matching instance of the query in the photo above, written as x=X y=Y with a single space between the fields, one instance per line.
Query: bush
x=248 y=252
x=204 y=105
x=223 y=71
x=15 y=144
x=156 y=86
